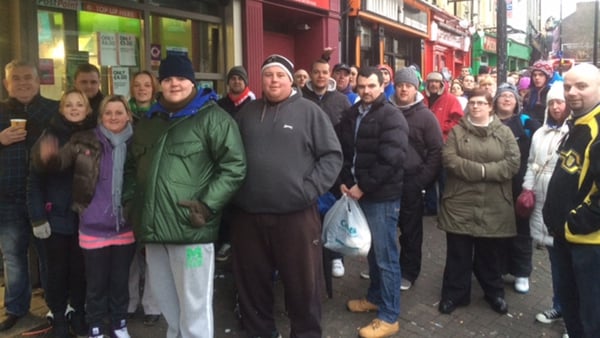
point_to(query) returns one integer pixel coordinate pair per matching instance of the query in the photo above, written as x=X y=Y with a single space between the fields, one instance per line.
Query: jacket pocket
x=184 y=162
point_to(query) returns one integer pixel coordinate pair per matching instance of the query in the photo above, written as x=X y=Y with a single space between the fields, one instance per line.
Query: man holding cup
x=23 y=116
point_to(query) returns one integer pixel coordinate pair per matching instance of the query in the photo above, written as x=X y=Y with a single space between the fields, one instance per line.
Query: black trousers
x=465 y=255
x=410 y=222
x=66 y=273
x=107 y=277
x=519 y=250
x=291 y=244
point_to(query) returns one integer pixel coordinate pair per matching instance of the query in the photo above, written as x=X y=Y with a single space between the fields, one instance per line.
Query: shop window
x=200 y=41
x=112 y=42
x=51 y=38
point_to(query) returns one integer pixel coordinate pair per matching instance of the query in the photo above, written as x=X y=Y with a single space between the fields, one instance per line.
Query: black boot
x=78 y=323
x=60 y=329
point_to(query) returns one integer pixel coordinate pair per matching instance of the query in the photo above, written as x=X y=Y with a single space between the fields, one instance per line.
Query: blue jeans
x=579 y=273
x=554 y=270
x=15 y=233
x=384 y=257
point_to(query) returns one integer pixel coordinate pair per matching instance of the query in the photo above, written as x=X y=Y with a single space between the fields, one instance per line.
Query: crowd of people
x=156 y=187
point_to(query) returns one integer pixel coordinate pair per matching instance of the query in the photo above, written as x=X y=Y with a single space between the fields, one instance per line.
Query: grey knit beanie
x=406 y=75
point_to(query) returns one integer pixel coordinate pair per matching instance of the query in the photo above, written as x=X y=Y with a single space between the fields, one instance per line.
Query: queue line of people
x=125 y=193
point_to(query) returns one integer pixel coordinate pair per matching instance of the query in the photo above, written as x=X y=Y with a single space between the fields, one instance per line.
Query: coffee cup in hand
x=19 y=123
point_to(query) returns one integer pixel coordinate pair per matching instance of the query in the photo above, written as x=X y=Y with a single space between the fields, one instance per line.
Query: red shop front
x=448 y=47
x=297 y=29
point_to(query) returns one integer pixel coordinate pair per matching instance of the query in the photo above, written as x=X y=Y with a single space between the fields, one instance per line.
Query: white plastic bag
x=345 y=228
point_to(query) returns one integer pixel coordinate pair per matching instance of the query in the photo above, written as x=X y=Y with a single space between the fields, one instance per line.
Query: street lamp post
x=502 y=42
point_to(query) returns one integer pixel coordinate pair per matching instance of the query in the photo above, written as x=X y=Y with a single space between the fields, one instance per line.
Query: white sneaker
x=405 y=284
x=121 y=333
x=548 y=316
x=522 y=284
x=337 y=268
x=365 y=275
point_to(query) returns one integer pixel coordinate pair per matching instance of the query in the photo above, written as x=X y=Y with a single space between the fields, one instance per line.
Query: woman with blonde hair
x=97 y=157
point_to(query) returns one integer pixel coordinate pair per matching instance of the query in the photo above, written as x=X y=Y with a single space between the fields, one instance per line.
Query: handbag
x=345 y=228
x=525 y=203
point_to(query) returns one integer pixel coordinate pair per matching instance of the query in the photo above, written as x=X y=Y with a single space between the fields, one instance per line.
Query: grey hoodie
x=293 y=155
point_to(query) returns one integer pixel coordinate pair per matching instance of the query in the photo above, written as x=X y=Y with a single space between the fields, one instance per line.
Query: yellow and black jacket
x=572 y=208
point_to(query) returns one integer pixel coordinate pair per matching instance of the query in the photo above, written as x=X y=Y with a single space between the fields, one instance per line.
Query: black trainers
x=548 y=316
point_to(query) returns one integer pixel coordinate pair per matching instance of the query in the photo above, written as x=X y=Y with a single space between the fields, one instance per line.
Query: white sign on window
x=107 y=49
x=120 y=80
x=127 y=48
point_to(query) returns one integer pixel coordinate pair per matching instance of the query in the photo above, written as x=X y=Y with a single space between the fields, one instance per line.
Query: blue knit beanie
x=176 y=65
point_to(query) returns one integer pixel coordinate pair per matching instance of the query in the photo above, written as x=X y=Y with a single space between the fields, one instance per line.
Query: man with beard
x=572 y=212
x=239 y=93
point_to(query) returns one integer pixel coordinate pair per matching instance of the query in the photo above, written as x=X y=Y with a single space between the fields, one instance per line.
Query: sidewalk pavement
x=419 y=316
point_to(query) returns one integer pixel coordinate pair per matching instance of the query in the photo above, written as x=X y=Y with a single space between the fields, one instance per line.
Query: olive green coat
x=478 y=202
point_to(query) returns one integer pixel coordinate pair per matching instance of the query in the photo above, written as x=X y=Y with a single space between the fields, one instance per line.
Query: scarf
x=119 y=144
x=238 y=99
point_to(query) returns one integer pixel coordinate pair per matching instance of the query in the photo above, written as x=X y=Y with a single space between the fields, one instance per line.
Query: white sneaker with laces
x=337 y=268
x=522 y=284
x=548 y=316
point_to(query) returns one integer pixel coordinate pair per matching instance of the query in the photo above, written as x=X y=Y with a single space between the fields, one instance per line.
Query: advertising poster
x=74 y=59
x=127 y=48
x=120 y=81
x=107 y=49
x=46 y=71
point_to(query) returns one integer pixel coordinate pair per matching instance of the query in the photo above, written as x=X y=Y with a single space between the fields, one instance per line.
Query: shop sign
x=386 y=8
x=127 y=48
x=415 y=18
x=489 y=44
x=73 y=5
x=111 y=10
x=46 y=71
x=450 y=39
x=155 y=54
x=324 y=4
x=120 y=80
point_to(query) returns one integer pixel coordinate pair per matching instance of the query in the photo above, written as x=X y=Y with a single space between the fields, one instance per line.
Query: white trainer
x=337 y=268
x=522 y=284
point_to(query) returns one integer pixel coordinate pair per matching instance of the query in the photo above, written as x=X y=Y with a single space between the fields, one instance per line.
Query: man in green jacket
x=186 y=162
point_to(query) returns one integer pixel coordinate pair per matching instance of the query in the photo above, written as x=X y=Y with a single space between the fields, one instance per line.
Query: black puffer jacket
x=380 y=149
x=424 y=154
x=332 y=102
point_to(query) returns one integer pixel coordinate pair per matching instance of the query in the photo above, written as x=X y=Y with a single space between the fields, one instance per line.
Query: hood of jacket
x=192 y=108
x=331 y=85
x=418 y=98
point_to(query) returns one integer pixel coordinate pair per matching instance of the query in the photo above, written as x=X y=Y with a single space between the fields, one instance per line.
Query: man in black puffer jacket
x=374 y=138
x=421 y=167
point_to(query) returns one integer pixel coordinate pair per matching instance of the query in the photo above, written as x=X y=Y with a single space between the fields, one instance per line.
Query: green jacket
x=199 y=156
x=480 y=163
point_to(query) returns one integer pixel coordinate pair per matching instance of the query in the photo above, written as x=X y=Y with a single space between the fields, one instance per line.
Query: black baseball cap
x=341 y=66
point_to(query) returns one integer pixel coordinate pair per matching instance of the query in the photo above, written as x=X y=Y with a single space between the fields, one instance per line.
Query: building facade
x=385 y=31
x=297 y=29
x=120 y=37
x=447 y=49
